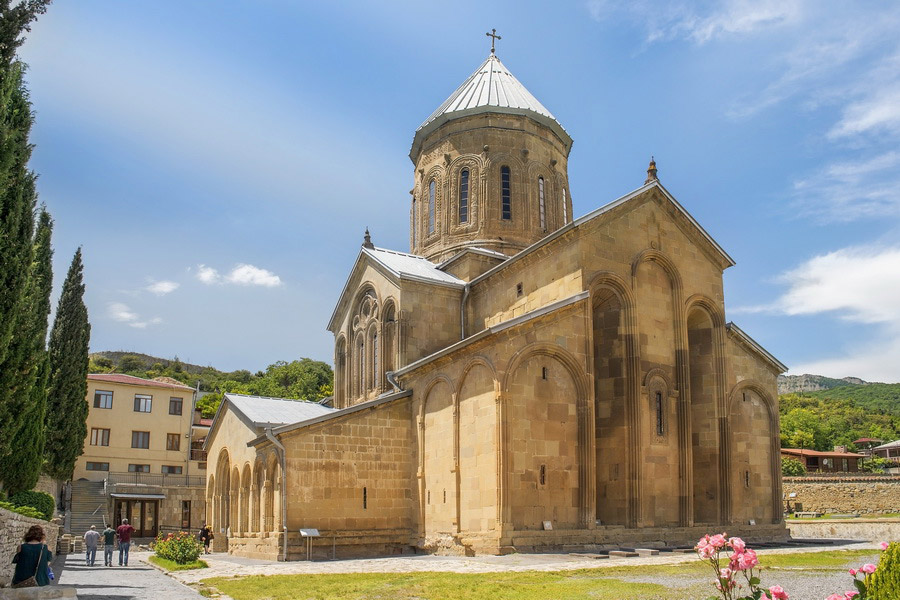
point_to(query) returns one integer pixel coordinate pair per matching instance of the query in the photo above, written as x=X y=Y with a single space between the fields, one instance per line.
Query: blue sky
x=219 y=162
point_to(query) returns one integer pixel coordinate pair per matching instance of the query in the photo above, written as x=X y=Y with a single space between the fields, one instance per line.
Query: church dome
x=492 y=88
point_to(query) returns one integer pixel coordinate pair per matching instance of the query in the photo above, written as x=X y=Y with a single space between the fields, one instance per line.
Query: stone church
x=521 y=379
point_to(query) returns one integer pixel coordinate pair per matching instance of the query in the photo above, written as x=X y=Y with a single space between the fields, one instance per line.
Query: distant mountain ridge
x=148 y=361
x=794 y=384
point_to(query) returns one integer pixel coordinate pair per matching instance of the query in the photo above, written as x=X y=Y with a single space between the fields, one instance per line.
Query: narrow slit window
x=660 y=424
x=746 y=478
x=505 y=194
x=541 y=203
x=464 y=196
x=365 y=499
x=445 y=496
x=431 y=187
x=429 y=496
x=543 y=474
x=519 y=289
x=543 y=372
x=565 y=208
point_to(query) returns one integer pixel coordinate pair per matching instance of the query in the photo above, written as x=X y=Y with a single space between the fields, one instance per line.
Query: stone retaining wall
x=864 y=495
x=12 y=529
x=873 y=530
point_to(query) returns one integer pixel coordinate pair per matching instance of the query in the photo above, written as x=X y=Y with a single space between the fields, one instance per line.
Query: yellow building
x=521 y=379
x=138 y=461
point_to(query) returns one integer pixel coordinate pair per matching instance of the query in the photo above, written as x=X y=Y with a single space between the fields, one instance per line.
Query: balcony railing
x=157 y=479
x=198 y=454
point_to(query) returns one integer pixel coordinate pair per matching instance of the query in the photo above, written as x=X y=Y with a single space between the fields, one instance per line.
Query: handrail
x=157 y=479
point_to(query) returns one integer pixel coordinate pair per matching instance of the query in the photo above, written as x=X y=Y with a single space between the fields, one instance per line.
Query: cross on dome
x=494 y=37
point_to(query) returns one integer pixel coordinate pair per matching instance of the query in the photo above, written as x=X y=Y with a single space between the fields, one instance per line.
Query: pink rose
x=745 y=560
x=737 y=543
x=725 y=573
x=853 y=572
x=778 y=593
x=836 y=597
x=868 y=568
x=851 y=593
x=718 y=540
x=884 y=545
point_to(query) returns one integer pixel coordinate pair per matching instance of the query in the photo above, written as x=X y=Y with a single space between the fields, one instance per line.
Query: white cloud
x=849 y=190
x=241 y=274
x=207 y=275
x=161 y=288
x=877 y=112
x=250 y=275
x=674 y=20
x=860 y=284
x=122 y=313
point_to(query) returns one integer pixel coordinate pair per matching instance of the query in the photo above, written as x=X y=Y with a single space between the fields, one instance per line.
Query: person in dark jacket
x=32 y=558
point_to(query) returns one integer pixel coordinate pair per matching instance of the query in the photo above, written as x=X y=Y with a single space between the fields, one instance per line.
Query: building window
x=138 y=468
x=99 y=437
x=142 y=403
x=541 y=203
x=365 y=499
x=660 y=420
x=746 y=479
x=375 y=361
x=175 y=406
x=519 y=290
x=505 y=199
x=845 y=464
x=140 y=439
x=565 y=208
x=186 y=514
x=543 y=474
x=464 y=196
x=173 y=441
x=102 y=399
x=97 y=466
x=431 y=187
x=172 y=470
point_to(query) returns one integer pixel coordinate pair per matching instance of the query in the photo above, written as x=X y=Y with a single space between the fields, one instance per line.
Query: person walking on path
x=123 y=532
x=109 y=542
x=206 y=536
x=32 y=560
x=91 y=538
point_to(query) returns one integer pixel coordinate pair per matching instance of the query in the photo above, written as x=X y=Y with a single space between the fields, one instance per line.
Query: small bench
x=807 y=514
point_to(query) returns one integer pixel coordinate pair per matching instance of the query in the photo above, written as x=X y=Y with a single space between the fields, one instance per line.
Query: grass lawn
x=171 y=565
x=688 y=580
x=530 y=585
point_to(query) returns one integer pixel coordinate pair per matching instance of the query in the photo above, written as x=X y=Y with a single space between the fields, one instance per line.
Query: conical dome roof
x=490 y=89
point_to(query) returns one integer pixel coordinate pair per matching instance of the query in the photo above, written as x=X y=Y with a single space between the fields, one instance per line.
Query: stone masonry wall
x=12 y=529
x=864 y=495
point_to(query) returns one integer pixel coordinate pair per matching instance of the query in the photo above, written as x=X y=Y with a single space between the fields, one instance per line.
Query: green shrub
x=41 y=501
x=791 y=467
x=28 y=511
x=181 y=547
x=874 y=464
x=885 y=581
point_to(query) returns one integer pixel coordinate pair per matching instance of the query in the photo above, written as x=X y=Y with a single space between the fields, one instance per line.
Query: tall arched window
x=375 y=375
x=361 y=367
x=541 y=203
x=506 y=206
x=565 y=208
x=415 y=224
x=464 y=196
x=431 y=187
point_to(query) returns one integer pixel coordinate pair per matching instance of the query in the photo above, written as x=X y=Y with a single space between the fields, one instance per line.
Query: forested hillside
x=303 y=379
x=823 y=419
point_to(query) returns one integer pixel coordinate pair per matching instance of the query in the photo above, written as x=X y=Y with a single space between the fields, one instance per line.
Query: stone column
x=253 y=524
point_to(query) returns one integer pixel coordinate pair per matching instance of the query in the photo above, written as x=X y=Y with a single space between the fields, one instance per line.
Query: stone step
x=622 y=553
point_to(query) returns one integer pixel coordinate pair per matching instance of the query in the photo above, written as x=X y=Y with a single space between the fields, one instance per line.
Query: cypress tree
x=17 y=193
x=67 y=408
x=23 y=383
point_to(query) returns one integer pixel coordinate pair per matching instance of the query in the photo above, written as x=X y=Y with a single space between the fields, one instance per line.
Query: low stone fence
x=873 y=530
x=867 y=495
x=12 y=529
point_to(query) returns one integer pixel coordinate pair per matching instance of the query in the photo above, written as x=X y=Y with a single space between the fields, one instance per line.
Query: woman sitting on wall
x=32 y=560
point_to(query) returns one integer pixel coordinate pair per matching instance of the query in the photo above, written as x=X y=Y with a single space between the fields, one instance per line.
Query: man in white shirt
x=91 y=538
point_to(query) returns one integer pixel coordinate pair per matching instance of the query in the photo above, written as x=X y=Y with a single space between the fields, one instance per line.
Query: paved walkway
x=139 y=581
x=223 y=565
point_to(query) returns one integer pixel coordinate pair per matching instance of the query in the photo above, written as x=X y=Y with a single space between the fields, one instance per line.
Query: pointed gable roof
x=399 y=266
x=491 y=88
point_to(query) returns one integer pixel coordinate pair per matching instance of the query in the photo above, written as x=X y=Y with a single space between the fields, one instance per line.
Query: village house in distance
x=521 y=379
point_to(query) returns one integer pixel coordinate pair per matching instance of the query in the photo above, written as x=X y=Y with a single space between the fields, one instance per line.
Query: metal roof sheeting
x=491 y=88
x=410 y=266
x=267 y=412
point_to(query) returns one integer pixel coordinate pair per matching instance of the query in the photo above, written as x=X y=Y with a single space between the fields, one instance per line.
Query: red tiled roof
x=865 y=440
x=799 y=452
x=132 y=380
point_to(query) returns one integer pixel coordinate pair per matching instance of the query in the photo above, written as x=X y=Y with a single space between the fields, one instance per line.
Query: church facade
x=520 y=380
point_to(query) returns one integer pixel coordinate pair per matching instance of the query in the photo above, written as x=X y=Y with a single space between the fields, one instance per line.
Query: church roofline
x=443 y=279
x=748 y=341
x=475 y=250
x=601 y=211
x=502 y=326
x=383 y=399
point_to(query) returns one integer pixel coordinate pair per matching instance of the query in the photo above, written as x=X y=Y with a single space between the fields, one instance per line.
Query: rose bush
x=181 y=547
